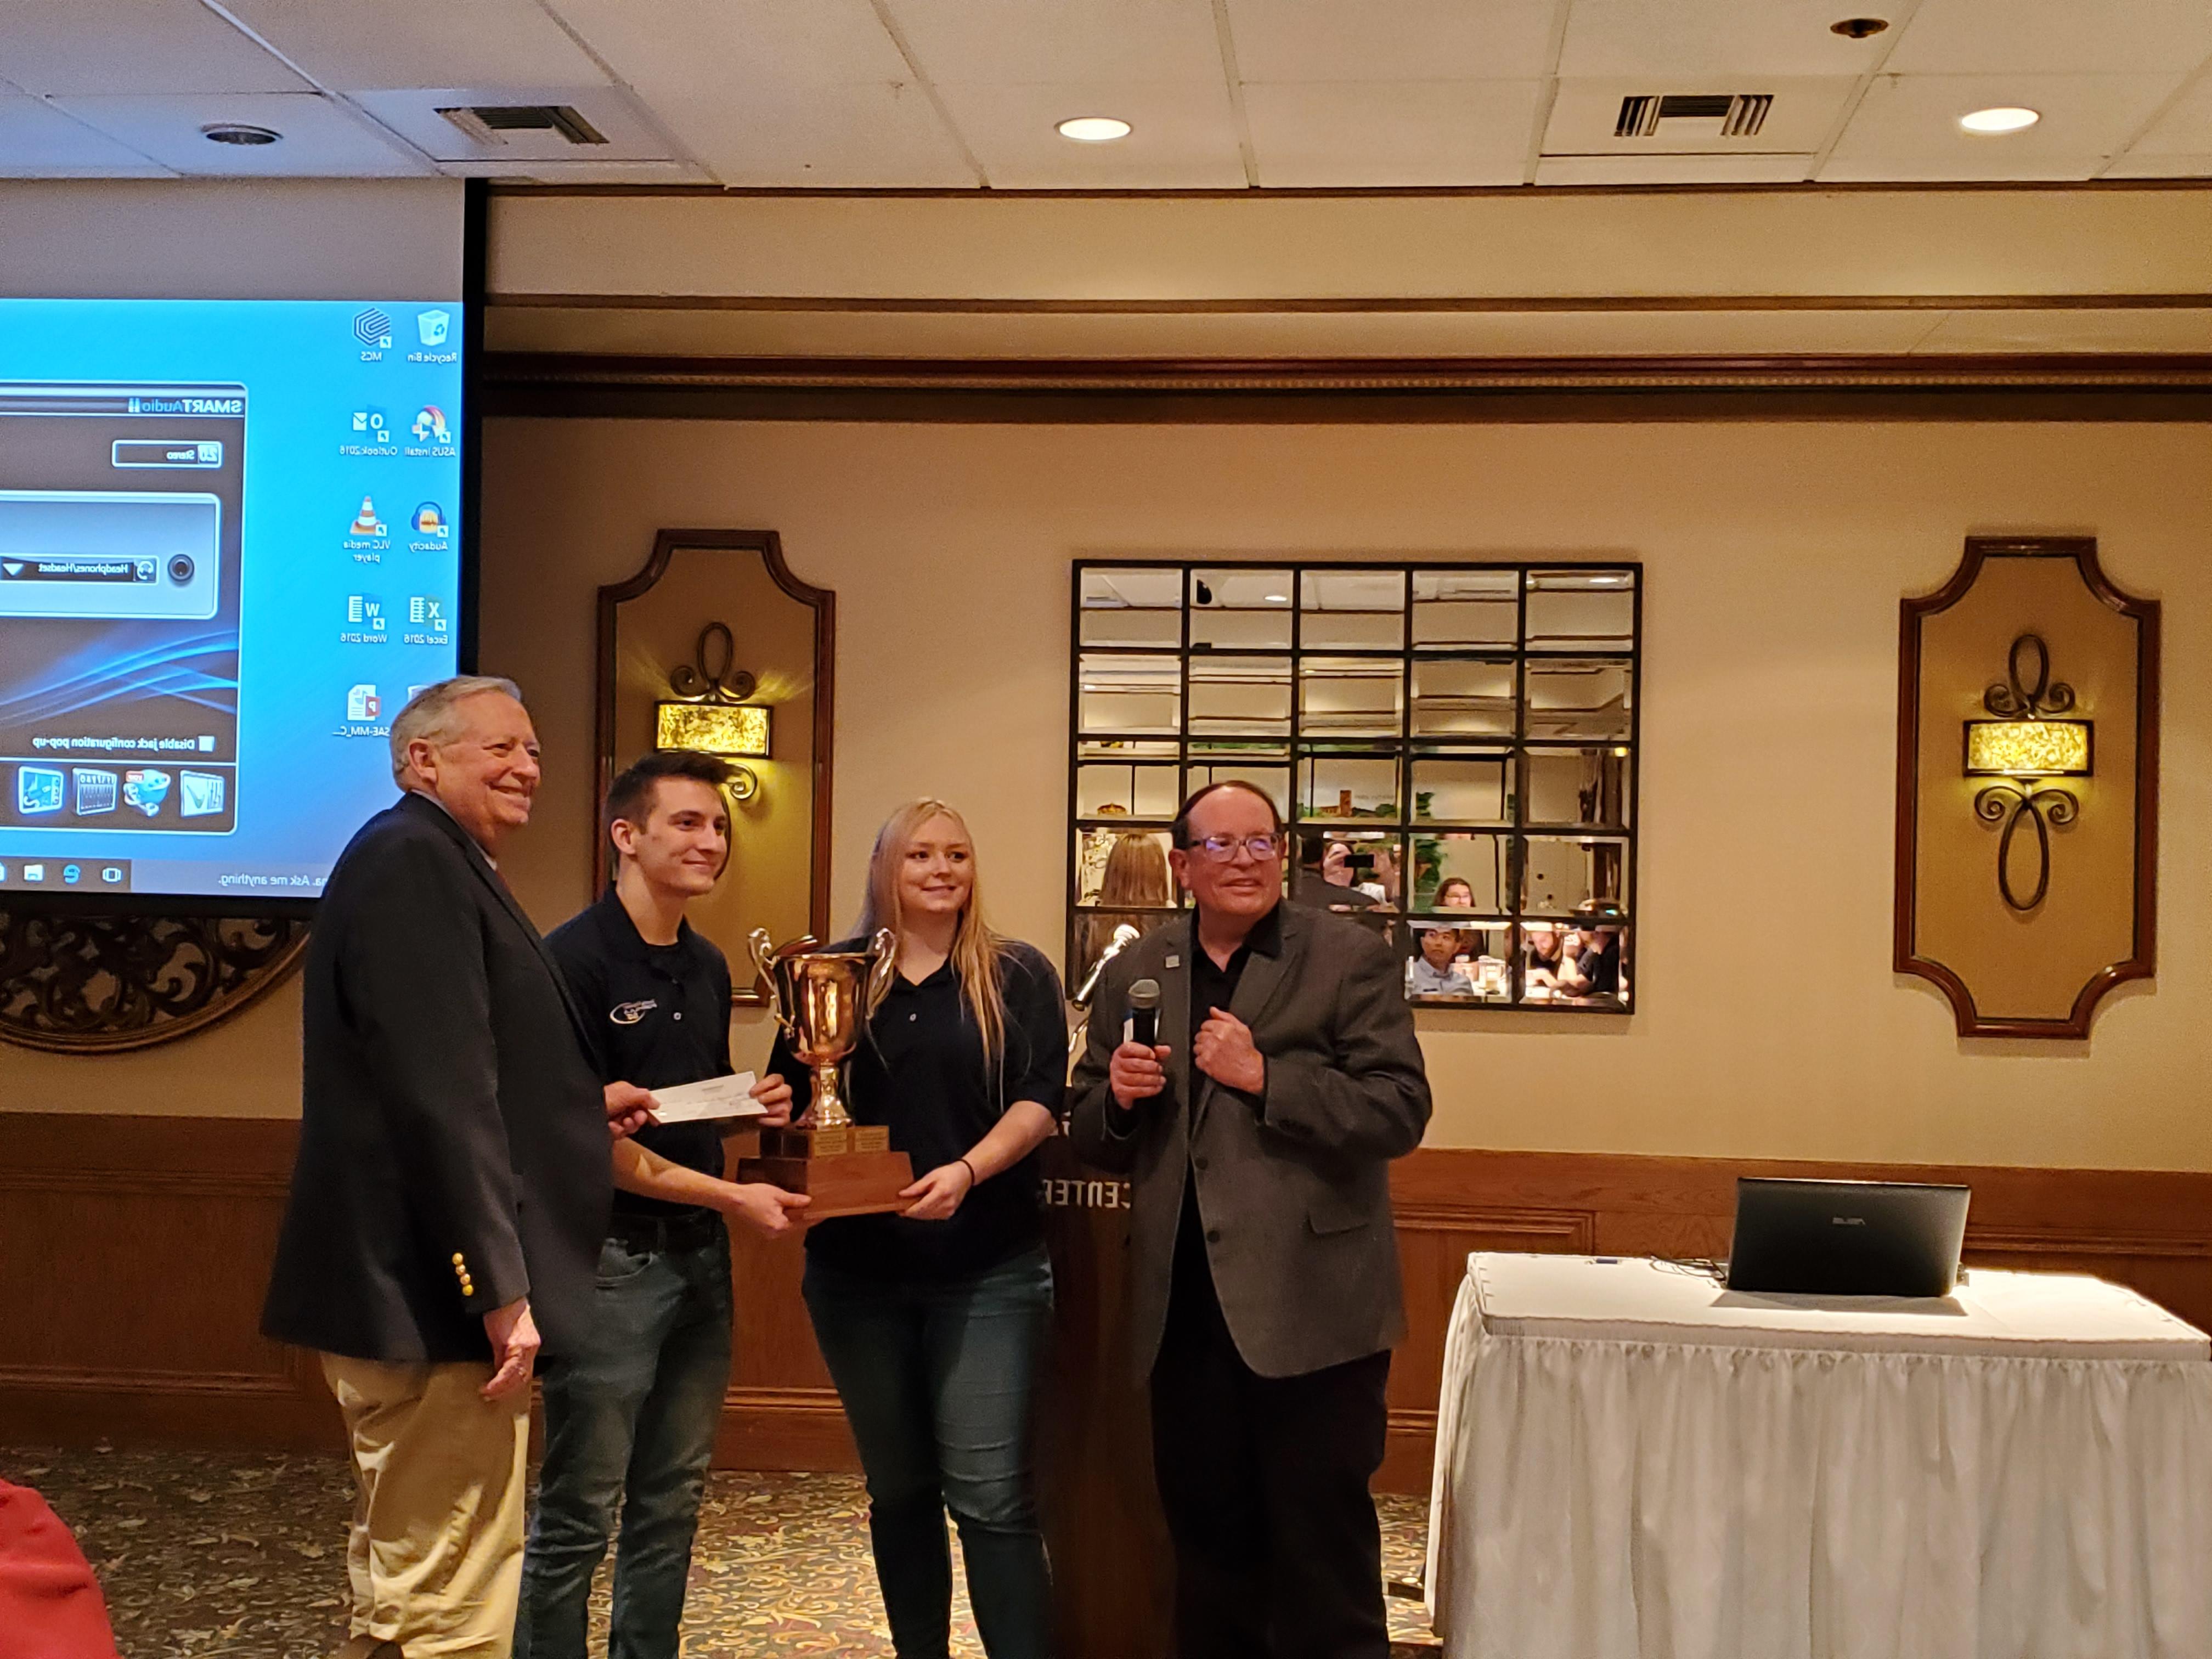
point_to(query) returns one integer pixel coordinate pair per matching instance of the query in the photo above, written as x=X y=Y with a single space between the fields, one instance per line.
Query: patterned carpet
x=203 y=1554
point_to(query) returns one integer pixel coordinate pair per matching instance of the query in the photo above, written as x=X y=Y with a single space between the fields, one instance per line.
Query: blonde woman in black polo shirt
x=932 y=1319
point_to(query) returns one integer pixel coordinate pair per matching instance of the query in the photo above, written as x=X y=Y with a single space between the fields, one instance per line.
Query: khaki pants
x=435 y=1553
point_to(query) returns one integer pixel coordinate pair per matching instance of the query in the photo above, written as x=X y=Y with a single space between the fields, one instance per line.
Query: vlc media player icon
x=365 y=522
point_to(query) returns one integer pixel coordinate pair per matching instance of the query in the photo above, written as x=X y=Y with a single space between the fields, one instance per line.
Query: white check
x=716 y=1097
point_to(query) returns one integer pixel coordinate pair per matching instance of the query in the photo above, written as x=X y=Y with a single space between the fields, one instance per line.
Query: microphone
x=1145 y=1012
x=1124 y=936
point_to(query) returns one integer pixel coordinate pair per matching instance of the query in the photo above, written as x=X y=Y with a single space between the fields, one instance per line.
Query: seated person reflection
x=1593 y=968
x=1326 y=879
x=1432 y=974
x=1455 y=893
x=1134 y=885
x=1543 y=954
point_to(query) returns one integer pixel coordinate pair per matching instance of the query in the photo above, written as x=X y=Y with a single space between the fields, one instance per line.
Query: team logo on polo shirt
x=630 y=1013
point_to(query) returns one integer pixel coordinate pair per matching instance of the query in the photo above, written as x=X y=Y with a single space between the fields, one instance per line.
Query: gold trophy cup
x=821 y=1000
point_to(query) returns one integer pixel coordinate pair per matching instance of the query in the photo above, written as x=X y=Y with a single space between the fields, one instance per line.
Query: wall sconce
x=2024 y=745
x=709 y=713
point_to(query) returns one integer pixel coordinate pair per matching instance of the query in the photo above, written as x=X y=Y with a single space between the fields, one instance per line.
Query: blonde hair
x=977 y=951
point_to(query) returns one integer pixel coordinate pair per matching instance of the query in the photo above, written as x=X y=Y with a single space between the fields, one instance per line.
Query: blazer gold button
x=457 y=1258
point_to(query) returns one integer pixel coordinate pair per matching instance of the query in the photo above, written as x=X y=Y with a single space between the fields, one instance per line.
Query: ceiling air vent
x=489 y=124
x=1693 y=115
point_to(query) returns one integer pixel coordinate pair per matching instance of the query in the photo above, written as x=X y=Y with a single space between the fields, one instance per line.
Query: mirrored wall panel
x=1452 y=748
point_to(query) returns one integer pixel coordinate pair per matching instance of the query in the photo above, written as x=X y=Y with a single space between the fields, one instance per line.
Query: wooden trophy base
x=847 y=1170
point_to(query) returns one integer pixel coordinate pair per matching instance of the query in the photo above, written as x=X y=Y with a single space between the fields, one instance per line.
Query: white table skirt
x=1750 y=1488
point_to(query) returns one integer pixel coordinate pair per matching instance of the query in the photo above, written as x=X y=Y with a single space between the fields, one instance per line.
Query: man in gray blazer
x=1264 y=1274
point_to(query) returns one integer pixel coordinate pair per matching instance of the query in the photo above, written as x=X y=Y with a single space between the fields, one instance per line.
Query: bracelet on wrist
x=973 y=1179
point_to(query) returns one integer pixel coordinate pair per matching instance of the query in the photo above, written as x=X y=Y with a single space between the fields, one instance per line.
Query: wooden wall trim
x=2078 y=387
x=504 y=370
x=168 y=1223
x=1345 y=305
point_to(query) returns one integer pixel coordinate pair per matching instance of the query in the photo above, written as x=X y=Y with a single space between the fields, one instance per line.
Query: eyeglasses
x=1222 y=848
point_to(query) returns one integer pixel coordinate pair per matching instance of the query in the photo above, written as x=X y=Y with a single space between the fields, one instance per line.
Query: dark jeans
x=937 y=1380
x=1264 y=1481
x=630 y=1421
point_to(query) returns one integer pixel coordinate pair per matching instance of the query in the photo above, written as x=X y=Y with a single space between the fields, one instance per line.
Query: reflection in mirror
x=1579 y=787
x=1583 y=962
x=1348 y=786
x=1454 y=697
x=1579 y=697
x=1127 y=890
x=1115 y=789
x=1132 y=607
x=1458 y=741
x=1240 y=696
x=1455 y=872
x=1581 y=611
x=1240 y=610
x=1352 y=610
x=1349 y=696
x=1273 y=781
x=1350 y=869
x=1466 y=608
x=1561 y=873
x=1133 y=695
x=1463 y=789
x=1461 y=961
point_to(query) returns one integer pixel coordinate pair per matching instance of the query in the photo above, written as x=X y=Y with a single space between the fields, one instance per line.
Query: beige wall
x=1770 y=1023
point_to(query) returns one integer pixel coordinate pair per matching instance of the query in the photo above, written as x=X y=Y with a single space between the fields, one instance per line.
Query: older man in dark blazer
x=452 y=1186
x=1264 y=1271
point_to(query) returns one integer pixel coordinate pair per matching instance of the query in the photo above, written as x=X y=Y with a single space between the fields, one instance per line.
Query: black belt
x=691 y=1230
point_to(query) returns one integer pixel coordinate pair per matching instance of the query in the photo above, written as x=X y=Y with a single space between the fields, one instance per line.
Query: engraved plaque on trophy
x=822 y=999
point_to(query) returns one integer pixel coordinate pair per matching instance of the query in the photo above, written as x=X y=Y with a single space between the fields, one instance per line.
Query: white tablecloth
x=1632 y=1460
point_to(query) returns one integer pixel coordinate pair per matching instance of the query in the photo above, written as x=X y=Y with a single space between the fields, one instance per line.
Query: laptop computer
x=1846 y=1237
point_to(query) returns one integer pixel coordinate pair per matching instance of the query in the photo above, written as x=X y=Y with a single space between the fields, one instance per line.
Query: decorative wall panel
x=2027 y=787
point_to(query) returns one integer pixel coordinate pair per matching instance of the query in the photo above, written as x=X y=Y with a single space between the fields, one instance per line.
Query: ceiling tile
x=1182 y=136
x=1005 y=41
x=1382 y=134
x=322 y=138
x=1425 y=40
x=610 y=111
x=1804 y=112
x=1672 y=169
x=1906 y=127
x=766 y=94
x=2053 y=37
x=422 y=43
x=151 y=46
x=2185 y=128
x=1671 y=39
x=581 y=173
x=37 y=140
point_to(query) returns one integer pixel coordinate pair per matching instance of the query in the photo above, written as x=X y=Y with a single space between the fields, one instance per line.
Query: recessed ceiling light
x=1279 y=598
x=1093 y=129
x=1858 y=28
x=2006 y=120
x=237 y=132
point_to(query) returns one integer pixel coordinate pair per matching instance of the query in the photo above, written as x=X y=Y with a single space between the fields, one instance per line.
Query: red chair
x=50 y=1603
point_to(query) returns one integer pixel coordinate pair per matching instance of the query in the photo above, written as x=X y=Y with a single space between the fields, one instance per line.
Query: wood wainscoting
x=137 y=1249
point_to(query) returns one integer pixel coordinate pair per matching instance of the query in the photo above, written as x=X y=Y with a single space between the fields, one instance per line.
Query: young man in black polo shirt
x=630 y=1417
